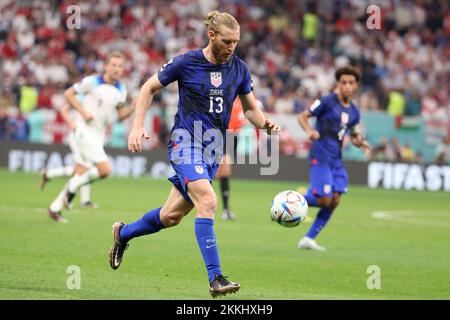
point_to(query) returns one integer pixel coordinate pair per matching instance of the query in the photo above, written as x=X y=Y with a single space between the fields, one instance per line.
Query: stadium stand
x=292 y=48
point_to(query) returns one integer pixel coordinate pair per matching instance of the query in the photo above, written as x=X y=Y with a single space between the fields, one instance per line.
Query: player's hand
x=135 y=139
x=72 y=127
x=314 y=135
x=87 y=116
x=359 y=141
x=366 y=147
x=271 y=126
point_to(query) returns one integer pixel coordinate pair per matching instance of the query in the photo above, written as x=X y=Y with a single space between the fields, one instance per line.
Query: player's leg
x=321 y=178
x=177 y=205
x=223 y=175
x=102 y=169
x=338 y=183
x=169 y=215
x=322 y=218
x=335 y=201
x=85 y=190
x=205 y=201
x=68 y=171
x=48 y=174
x=85 y=197
x=54 y=210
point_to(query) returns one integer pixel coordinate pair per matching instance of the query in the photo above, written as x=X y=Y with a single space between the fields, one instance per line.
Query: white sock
x=85 y=193
x=58 y=203
x=60 y=172
x=77 y=181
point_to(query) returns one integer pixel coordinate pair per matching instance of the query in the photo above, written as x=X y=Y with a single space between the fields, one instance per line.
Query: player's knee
x=170 y=219
x=334 y=203
x=104 y=174
x=208 y=205
x=325 y=202
x=104 y=171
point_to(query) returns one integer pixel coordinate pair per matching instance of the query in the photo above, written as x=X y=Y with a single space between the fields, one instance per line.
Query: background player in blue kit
x=209 y=80
x=335 y=116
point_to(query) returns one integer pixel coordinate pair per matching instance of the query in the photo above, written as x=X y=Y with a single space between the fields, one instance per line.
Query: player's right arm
x=146 y=93
x=314 y=110
x=254 y=114
x=86 y=85
x=70 y=95
x=303 y=120
x=65 y=115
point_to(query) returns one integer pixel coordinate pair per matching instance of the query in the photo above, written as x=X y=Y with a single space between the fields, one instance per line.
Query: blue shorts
x=185 y=173
x=327 y=178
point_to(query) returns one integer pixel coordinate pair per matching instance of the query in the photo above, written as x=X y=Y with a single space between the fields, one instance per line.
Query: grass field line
x=409 y=216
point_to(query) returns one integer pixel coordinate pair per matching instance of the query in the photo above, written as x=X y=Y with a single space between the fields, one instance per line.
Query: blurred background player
x=335 y=114
x=103 y=95
x=209 y=80
x=47 y=175
x=237 y=119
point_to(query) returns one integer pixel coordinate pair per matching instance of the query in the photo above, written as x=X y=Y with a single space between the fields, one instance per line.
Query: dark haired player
x=336 y=115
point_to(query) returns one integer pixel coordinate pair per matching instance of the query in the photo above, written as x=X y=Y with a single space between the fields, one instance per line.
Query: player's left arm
x=255 y=115
x=124 y=112
x=358 y=139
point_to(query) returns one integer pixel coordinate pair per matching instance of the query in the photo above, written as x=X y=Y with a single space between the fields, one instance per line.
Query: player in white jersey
x=104 y=98
x=48 y=174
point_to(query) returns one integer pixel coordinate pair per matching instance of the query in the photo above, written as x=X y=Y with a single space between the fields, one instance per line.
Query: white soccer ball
x=289 y=209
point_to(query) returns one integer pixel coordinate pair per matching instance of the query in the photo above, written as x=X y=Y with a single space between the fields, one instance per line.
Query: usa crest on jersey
x=216 y=79
x=345 y=118
x=199 y=169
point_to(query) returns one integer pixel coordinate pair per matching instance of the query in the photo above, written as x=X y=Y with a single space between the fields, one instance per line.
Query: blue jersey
x=333 y=122
x=206 y=94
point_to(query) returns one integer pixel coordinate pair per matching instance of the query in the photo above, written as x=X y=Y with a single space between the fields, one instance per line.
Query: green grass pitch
x=409 y=242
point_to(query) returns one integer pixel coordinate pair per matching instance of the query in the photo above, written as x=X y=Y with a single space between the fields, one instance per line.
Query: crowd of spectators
x=292 y=48
x=392 y=151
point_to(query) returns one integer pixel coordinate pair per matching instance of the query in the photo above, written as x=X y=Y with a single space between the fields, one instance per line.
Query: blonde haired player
x=209 y=80
x=104 y=98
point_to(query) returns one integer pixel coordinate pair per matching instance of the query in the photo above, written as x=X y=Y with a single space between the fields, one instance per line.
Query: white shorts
x=87 y=149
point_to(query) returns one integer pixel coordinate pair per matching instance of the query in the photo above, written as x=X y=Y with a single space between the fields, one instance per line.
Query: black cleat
x=221 y=286
x=43 y=178
x=56 y=216
x=68 y=198
x=118 y=248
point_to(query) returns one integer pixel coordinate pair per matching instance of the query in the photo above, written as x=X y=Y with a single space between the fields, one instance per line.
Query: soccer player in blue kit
x=209 y=80
x=336 y=115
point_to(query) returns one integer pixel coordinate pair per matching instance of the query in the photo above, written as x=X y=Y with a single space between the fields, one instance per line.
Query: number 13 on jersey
x=219 y=102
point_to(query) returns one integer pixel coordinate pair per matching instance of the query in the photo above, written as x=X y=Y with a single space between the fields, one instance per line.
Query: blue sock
x=311 y=199
x=322 y=218
x=149 y=223
x=206 y=238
